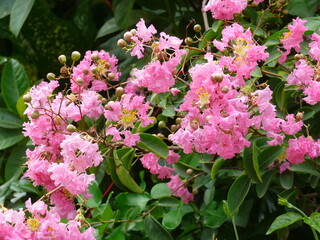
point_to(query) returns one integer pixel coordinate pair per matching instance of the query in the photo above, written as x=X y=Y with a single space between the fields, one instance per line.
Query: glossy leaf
x=108 y=27
x=19 y=13
x=14 y=82
x=284 y=220
x=286 y=179
x=96 y=199
x=168 y=202
x=237 y=193
x=122 y=10
x=313 y=221
x=155 y=230
x=305 y=167
x=216 y=166
x=125 y=201
x=160 y=190
x=262 y=188
x=303 y=8
x=172 y=219
x=9 y=137
x=127 y=180
x=251 y=164
x=15 y=161
x=153 y=144
x=5 y=7
x=268 y=155
x=9 y=120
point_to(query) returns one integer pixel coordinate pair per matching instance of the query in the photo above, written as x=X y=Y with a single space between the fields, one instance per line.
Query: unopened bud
x=197 y=28
x=188 y=40
x=160 y=135
x=299 y=116
x=104 y=101
x=195 y=191
x=217 y=77
x=194 y=124
x=299 y=56
x=111 y=76
x=225 y=89
x=189 y=171
x=64 y=71
x=133 y=31
x=71 y=128
x=119 y=91
x=121 y=43
x=51 y=76
x=162 y=124
x=178 y=120
x=62 y=59
x=94 y=70
x=108 y=106
x=95 y=57
x=26 y=98
x=127 y=36
x=174 y=127
x=80 y=80
x=75 y=56
x=35 y=115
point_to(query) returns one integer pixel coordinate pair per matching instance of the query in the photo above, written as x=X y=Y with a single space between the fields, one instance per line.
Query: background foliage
x=34 y=32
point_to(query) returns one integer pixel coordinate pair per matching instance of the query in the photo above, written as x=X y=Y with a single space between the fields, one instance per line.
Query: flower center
x=128 y=117
x=241 y=47
x=203 y=97
x=33 y=224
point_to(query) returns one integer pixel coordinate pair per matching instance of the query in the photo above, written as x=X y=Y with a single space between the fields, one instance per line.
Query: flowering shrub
x=207 y=129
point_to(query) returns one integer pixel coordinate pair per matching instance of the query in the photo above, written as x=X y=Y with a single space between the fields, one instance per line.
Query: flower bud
x=121 y=43
x=80 y=80
x=225 y=89
x=299 y=116
x=35 y=115
x=71 y=128
x=188 y=40
x=195 y=191
x=94 y=70
x=162 y=124
x=160 y=135
x=75 y=56
x=197 y=28
x=111 y=76
x=217 y=77
x=85 y=71
x=174 y=127
x=62 y=59
x=194 y=124
x=127 y=36
x=119 y=92
x=94 y=57
x=104 y=100
x=299 y=56
x=189 y=171
x=133 y=31
x=108 y=106
x=178 y=120
x=51 y=76
x=64 y=71
x=26 y=98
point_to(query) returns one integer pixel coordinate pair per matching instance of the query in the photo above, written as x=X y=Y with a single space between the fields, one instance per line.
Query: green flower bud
x=94 y=57
x=62 y=59
x=119 y=91
x=127 y=36
x=35 y=115
x=75 y=56
x=71 y=128
x=188 y=40
x=51 y=76
x=121 y=43
x=26 y=98
x=162 y=124
x=197 y=28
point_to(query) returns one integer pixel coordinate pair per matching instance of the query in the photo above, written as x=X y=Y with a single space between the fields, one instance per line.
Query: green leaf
x=15 y=161
x=313 y=221
x=153 y=144
x=268 y=155
x=305 y=167
x=214 y=215
x=160 y=190
x=284 y=220
x=273 y=58
x=14 y=82
x=216 y=166
x=168 y=202
x=5 y=7
x=96 y=199
x=127 y=180
x=172 y=219
x=251 y=164
x=154 y=230
x=237 y=193
x=9 y=137
x=108 y=27
x=9 y=120
x=262 y=188
x=303 y=8
x=19 y=13
x=125 y=201
x=169 y=111
x=286 y=179
x=256 y=73
x=122 y=10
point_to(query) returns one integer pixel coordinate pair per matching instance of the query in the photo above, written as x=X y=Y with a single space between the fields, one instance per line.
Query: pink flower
x=130 y=139
x=315 y=47
x=301 y=147
x=178 y=189
x=293 y=38
x=224 y=9
x=142 y=35
x=150 y=162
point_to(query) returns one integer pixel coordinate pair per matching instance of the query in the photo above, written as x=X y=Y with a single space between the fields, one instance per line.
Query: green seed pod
x=162 y=124
x=197 y=28
x=51 y=76
x=26 y=98
x=35 y=115
x=71 y=128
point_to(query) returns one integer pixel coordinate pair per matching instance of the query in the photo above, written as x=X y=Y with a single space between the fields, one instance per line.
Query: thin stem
x=204 y=15
x=235 y=228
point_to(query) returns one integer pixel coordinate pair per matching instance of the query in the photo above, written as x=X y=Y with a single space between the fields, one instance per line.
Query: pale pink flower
x=299 y=148
x=150 y=162
x=130 y=139
x=178 y=189
x=315 y=47
x=224 y=9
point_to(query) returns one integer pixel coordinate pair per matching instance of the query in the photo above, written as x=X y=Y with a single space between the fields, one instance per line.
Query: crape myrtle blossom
x=293 y=38
x=96 y=68
x=315 y=47
x=304 y=76
x=246 y=54
x=41 y=223
x=216 y=120
x=268 y=121
x=225 y=9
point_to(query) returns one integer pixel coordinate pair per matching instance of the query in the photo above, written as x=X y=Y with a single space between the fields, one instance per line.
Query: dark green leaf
x=268 y=155
x=303 y=8
x=273 y=58
x=15 y=161
x=237 y=193
x=284 y=220
x=286 y=179
x=172 y=219
x=96 y=199
x=9 y=120
x=168 y=202
x=305 y=167
x=122 y=10
x=108 y=27
x=216 y=166
x=14 y=82
x=5 y=7
x=251 y=164
x=9 y=137
x=153 y=144
x=262 y=188
x=19 y=13
x=155 y=230
x=125 y=201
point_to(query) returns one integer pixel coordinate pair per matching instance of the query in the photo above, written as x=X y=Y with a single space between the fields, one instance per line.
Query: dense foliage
x=191 y=120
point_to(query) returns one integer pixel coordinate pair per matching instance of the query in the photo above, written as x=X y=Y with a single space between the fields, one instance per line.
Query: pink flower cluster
x=42 y=224
x=246 y=54
x=151 y=161
x=225 y=9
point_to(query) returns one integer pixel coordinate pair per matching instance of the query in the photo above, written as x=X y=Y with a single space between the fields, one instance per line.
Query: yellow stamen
x=203 y=97
x=33 y=224
x=128 y=117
